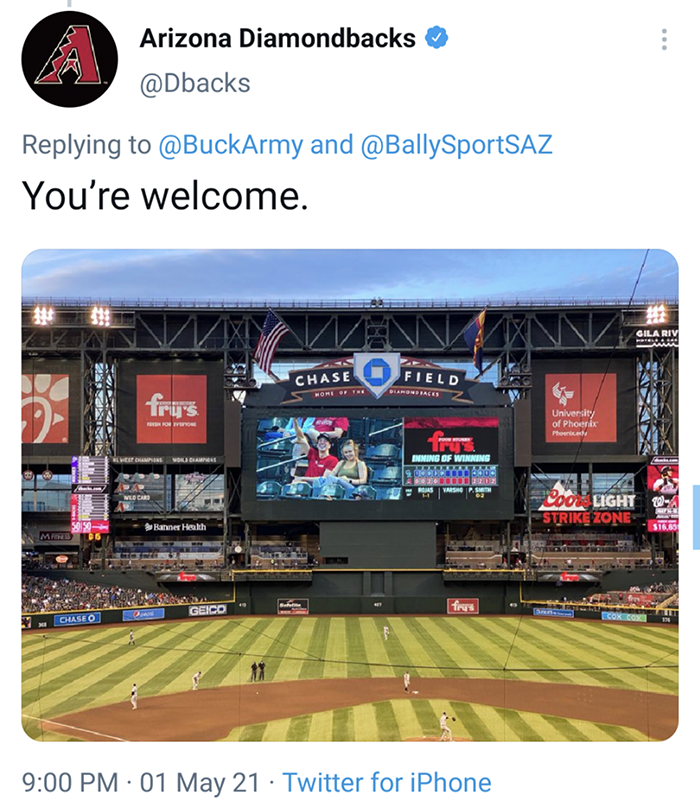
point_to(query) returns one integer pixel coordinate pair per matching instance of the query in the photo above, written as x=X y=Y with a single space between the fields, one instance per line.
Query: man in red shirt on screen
x=319 y=456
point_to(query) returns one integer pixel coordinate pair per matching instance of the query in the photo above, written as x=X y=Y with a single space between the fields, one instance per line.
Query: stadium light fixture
x=43 y=315
x=101 y=316
x=656 y=314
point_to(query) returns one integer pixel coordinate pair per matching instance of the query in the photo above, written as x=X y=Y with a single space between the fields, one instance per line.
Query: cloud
x=285 y=275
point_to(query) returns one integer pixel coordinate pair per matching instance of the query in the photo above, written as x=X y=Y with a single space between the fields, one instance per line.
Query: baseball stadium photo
x=359 y=516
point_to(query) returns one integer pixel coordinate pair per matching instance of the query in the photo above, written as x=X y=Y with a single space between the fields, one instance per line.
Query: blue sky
x=274 y=275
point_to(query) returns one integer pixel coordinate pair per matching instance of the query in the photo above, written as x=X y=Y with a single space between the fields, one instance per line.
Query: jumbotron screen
x=436 y=466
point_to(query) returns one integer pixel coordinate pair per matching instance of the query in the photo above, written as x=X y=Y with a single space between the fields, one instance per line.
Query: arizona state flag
x=474 y=337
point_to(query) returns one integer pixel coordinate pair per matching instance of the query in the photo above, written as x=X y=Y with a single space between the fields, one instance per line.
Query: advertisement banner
x=584 y=407
x=368 y=378
x=77 y=619
x=207 y=610
x=662 y=492
x=462 y=606
x=50 y=407
x=553 y=612
x=624 y=617
x=55 y=536
x=180 y=528
x=171 y=409
x=580 y=408
x=45 y=417
x=293 y=606
x=451 y=458
x=129 y=615
x=639 y=598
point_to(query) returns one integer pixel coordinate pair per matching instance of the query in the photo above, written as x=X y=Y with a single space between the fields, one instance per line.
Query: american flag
x=273 y=331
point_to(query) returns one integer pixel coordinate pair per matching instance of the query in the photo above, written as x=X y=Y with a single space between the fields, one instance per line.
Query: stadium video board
x=663 y=489
x=393 y=464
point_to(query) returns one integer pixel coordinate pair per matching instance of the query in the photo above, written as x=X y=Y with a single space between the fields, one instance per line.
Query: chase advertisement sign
x=377 y=372
x=389 y=377
x=80 y=619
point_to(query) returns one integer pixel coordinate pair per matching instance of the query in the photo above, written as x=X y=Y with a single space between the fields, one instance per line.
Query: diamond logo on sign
x=377 y=372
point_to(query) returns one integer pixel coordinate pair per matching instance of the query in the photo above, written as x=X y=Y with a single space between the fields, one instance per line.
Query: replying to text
x=249 y=145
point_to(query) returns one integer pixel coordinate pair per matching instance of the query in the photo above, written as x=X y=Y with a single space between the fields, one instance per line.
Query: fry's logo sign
x=178 y=409
x=462 y=605
x=440 y=443
x=171 y=409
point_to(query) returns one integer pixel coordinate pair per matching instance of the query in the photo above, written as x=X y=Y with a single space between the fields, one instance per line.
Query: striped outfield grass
x=69 y=671
x=399 y=720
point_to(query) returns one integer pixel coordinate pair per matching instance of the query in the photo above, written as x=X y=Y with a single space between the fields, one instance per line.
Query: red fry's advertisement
x=462 y=605
x=580 y=407
x=171 y=409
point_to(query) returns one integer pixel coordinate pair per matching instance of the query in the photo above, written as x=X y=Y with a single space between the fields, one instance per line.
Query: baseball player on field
x=134 y=696
x=406 y=681
x=386 y=632
x=195 y=680
x=446 y=731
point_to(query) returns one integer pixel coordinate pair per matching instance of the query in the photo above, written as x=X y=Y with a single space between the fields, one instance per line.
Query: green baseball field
x=341 y=679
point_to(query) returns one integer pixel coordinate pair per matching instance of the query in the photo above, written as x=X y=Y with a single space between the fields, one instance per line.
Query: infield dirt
x=211 y=714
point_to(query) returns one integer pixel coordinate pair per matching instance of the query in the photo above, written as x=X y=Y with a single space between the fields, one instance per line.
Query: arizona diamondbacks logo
x=75 y=52
x=377 y=372
x=69 y=59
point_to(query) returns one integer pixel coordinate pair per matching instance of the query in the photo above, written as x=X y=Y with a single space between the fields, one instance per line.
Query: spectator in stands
x=349 y=473
x=334 y=428
x=273 y=433
x=319 y=456
x=48 y=595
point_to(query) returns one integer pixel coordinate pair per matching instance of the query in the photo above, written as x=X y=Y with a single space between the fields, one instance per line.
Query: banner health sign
x=80 y=619
x=143 y=614
x=584 y=406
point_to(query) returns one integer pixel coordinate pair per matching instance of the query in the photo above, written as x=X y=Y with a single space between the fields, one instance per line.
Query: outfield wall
x=379 y=592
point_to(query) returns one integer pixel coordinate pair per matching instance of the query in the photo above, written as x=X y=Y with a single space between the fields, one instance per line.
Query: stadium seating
x=392 y=493
x=385 y=453
x=270 y=489
x=387 y=477
x=331 y=491
x=299 y=490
